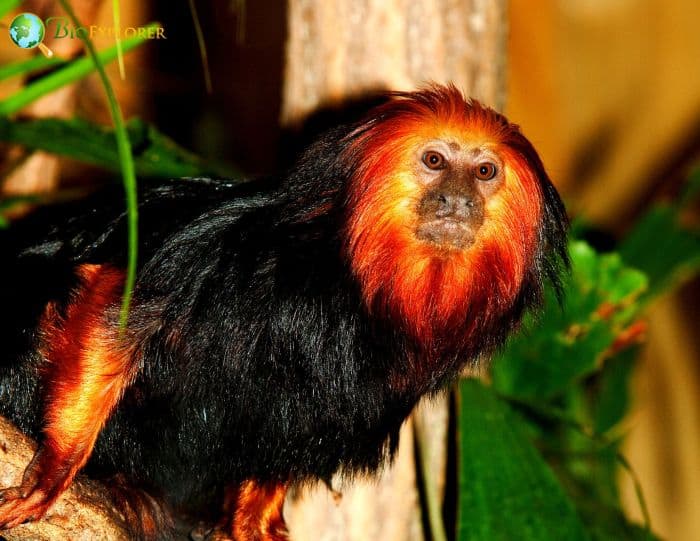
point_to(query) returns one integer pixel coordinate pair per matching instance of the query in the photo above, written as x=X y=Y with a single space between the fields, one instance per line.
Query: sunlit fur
x=436 y=292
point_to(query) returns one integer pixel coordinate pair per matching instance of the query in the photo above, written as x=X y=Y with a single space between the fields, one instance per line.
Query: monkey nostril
x=447 y=204
x=444 y=205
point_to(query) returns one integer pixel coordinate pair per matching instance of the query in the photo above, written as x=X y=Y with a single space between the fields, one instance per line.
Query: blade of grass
x=239 y=8
x=36 y=63
x=127 y=164
x=116 y=15
x=74 y=71
x=8 y=5
x=202 y=46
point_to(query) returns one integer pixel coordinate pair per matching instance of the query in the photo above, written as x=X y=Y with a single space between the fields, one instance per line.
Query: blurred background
x=607 y=90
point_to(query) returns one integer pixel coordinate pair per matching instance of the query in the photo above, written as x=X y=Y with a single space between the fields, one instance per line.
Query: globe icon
x=27 y=30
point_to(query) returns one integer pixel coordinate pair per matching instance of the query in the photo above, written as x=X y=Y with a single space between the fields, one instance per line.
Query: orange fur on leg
x=258 y=512
x=87 y=372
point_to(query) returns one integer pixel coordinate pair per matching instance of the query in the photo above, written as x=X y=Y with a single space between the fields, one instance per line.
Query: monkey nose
x=453 y=205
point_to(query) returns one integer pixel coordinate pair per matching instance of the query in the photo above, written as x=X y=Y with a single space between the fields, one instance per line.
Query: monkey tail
x=147 y=517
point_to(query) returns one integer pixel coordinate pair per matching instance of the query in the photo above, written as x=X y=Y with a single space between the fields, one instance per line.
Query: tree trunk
x=342 y=49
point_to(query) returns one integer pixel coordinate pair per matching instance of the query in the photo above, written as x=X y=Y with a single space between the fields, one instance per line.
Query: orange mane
x=437 y=295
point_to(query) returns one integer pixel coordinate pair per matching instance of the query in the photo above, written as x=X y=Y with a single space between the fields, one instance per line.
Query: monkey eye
x=485 y=171
x=434 y=160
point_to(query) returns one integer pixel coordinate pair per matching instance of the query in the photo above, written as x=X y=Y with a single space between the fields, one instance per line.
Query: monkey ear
x=555 y=220
x=555 y=227
x=553 y=256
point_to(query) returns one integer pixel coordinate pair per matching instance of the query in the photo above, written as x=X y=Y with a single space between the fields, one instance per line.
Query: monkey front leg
x=87 y=372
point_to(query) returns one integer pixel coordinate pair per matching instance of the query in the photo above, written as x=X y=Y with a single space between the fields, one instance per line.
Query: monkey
x=281 y=330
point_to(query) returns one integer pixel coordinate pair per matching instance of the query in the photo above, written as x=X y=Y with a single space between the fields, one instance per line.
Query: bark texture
x=347 y=47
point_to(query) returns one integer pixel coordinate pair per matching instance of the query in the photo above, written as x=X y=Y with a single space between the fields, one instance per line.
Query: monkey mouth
x=447 y=232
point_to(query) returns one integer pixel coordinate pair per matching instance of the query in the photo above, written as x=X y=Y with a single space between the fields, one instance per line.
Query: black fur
x=258 y=359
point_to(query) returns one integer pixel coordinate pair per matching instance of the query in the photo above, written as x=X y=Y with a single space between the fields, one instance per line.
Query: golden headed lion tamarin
x=280 y=332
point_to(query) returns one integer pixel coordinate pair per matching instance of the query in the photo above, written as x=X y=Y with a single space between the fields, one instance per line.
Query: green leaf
x=6 y=203
x=9 y=203
x=604 y=520
x=155 y=154
x=664 y=250
x=692 y=189
x=73 y=71
x=612 y=393
x=8 y=5
x=567 y=343
x=506 y=490
x=586 y=464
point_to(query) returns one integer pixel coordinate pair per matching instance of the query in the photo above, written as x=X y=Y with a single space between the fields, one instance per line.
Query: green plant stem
x=637 y=490
x=74 y=71
x=127 y=165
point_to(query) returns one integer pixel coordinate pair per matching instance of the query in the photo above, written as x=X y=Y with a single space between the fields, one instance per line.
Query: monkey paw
x=22 y=504
x=31 y=499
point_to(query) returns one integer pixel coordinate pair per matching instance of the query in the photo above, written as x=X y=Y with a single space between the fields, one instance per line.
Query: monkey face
x=449 y=214
x=458 y=181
